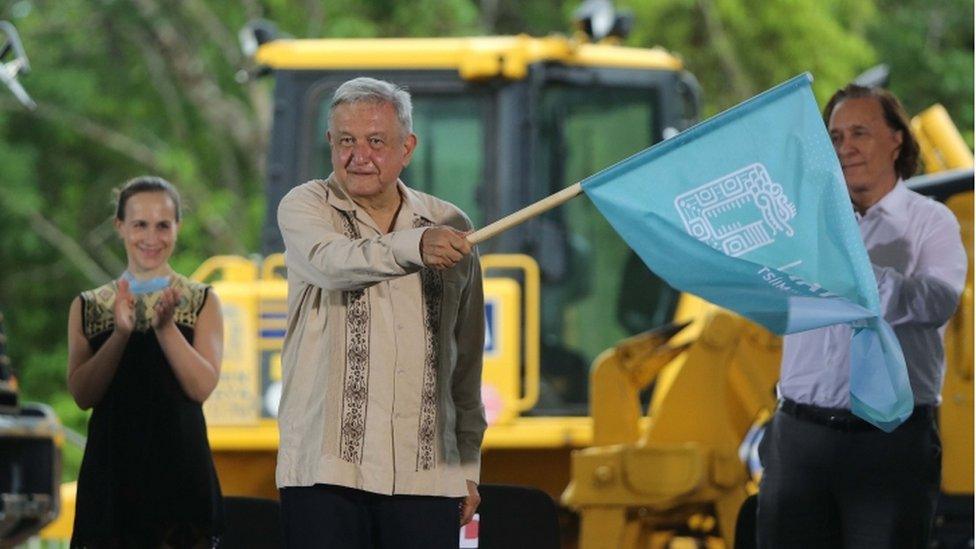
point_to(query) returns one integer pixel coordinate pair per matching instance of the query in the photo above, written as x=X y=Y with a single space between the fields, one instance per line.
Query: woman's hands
x=125 y=309
x=166 y=306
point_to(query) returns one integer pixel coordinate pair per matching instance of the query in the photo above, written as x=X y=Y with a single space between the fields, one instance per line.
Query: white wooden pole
x=525 y=214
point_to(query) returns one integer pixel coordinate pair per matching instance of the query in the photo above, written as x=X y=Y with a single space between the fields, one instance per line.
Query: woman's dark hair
x=143 y=184
x=895 y=116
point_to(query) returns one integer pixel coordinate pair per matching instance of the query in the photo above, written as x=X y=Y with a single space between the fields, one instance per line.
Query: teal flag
x=750 y=211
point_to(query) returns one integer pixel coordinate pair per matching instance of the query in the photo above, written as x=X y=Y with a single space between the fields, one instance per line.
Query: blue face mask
x=138 y=287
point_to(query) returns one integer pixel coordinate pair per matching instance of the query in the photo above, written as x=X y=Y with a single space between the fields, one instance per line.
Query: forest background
x=127 y=87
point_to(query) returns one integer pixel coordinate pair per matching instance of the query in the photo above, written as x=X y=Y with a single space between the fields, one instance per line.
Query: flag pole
x=525 y=214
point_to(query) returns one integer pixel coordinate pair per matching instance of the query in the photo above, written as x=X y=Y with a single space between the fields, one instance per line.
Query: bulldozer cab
x=503 y=122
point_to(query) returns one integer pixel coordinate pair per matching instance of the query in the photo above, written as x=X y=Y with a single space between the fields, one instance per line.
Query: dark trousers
x=824 y=486
x=326 y=516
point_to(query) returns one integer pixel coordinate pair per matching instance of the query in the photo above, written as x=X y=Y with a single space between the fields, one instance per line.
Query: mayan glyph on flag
x=712 y=212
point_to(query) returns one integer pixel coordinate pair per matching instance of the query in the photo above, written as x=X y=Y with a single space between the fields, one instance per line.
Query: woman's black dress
x=147 y=478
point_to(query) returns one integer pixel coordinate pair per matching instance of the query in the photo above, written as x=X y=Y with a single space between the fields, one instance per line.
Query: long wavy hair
x=895 y=116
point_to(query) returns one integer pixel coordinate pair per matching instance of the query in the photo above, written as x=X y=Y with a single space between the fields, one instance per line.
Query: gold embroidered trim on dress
x=98 y=306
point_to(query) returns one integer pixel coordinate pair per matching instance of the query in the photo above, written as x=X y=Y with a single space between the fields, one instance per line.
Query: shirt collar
x=412 y=204
x=892 y=203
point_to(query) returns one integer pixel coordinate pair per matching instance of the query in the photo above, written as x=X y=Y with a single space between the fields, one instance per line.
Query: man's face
x=866 y=146
x=369 y=149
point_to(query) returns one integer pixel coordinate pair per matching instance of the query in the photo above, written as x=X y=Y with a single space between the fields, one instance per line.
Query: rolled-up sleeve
x=929 y=296
x=466 y=381
x=325 y=257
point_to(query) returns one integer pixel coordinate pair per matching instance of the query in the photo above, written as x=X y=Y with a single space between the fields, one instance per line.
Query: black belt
x=843 y=420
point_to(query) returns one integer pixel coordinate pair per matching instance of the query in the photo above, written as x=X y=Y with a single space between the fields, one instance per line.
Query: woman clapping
x=144 y=353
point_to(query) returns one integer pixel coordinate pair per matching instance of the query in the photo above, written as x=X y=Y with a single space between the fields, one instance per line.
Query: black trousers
x=326 y=516
x=854 y=488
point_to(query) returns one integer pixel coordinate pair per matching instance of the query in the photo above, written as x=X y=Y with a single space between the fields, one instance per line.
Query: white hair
x=371 y=90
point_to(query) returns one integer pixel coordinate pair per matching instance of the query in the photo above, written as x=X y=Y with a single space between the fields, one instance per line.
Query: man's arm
x=325 y=257
x=466 y=381
x=930 y=296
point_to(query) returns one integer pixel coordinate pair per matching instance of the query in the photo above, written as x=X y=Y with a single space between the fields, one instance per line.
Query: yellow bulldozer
x=643 y=447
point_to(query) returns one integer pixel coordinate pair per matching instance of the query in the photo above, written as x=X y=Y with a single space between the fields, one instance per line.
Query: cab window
x=606 y=293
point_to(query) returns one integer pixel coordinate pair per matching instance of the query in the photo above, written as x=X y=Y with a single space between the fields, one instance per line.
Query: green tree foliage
x=929 y=46
x=738 y=48
x=127 y=87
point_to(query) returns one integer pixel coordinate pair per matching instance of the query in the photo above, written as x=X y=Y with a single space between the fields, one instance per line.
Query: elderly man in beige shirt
x=381 y=419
